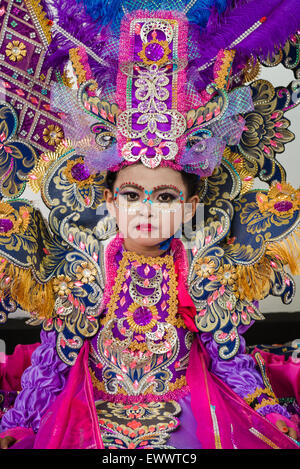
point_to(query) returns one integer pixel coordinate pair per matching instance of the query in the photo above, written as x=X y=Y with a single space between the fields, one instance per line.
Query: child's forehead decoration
x=159 y=118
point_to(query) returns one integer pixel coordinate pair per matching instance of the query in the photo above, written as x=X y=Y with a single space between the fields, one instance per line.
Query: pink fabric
x=238 y=425
x=71 y=422
x=18 y=433
x=186 y=307
x=284 y=375
x=12 y=368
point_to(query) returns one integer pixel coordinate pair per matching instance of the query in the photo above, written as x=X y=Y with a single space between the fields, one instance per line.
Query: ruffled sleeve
x=41 y=383
x=241 y=374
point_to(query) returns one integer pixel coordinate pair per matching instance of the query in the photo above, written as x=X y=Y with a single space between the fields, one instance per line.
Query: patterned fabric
x=137 y=426
x=25 y=78
x=142 y=348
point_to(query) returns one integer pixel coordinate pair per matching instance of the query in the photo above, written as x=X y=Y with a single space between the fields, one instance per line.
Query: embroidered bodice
x=142 y=348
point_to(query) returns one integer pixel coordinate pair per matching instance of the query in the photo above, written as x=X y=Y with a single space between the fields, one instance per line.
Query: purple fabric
x=186 y=435
x=240 y=372
x=24 y=443
x=41 y=383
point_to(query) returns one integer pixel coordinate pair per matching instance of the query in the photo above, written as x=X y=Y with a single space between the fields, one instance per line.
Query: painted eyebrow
x=155 y=189
x=167 y=186
x=131 y=184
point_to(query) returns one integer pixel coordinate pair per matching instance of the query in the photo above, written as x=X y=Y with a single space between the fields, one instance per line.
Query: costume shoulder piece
x=250 y=245
x=87 y=87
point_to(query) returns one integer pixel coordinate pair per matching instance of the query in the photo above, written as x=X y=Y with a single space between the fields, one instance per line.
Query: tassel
x=254 y=281
x=32 y=296
x=287 y=251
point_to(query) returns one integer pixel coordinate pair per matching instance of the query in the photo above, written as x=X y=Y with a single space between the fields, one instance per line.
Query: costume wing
x=43 y=147
x=244 y=252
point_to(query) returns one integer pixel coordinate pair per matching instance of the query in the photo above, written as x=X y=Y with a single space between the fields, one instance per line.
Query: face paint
x=131 y=197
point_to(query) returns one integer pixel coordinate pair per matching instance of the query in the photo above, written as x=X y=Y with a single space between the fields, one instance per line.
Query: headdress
x=160 y=118
x=92 y=86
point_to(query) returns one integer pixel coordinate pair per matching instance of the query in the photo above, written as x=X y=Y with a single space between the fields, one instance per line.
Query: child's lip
x=145 y=227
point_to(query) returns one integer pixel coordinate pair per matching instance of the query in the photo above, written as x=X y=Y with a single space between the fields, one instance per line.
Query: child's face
x=149 y=205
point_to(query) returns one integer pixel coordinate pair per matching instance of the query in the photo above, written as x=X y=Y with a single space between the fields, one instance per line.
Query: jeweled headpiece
x=159 y=118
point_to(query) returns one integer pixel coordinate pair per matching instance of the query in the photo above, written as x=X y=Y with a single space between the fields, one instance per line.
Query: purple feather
x=282 y=20
x=76 y=23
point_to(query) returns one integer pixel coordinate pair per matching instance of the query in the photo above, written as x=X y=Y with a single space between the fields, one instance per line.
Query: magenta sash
x=12 y=366
x=225 y=421
x=71 y=422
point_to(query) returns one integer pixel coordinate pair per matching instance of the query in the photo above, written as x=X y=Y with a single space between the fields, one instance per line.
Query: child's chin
x=147 y=240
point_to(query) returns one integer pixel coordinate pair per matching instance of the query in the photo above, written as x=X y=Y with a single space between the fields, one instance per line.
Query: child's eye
x=131 y=196
x=166 y=197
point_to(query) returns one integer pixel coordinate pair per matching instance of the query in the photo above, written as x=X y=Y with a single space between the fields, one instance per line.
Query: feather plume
x=282 y=20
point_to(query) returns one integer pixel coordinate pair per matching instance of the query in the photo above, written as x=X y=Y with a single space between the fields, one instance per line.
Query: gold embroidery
x=179 y=383
x=137 y=426
x=172 y=302
x=265 y=402
x=250 y=398
x=166 y=51
x=35 y=7
x=282 y=200
x=53 y=134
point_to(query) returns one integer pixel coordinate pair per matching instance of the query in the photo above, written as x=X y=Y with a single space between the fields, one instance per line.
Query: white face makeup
x=149 y=205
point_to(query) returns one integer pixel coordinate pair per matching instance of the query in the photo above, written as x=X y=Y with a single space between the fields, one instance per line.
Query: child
x=161 y=362
x=137 y=374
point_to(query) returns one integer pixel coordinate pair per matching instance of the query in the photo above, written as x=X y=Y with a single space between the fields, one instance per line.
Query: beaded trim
x=263 y=438
x=252 y=399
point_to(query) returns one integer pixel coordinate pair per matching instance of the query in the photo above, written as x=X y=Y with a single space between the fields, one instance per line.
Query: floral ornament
x=79 y=189
x=251 y=70
x=86 y=273
x=238 y=162
x=141 y=319
x=255 y=222
x=16 y=51
x=266 y=130
x=281 y=199
x=63 y=285
x=78 y=174
x=44 y=163
x=17 y=157
x=53 y=135
x=205 y=267
x=227 y=275
x=12 y=221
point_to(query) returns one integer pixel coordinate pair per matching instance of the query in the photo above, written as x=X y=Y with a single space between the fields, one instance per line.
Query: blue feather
x=111 y=11
x=103 y=11
x=201 y=11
